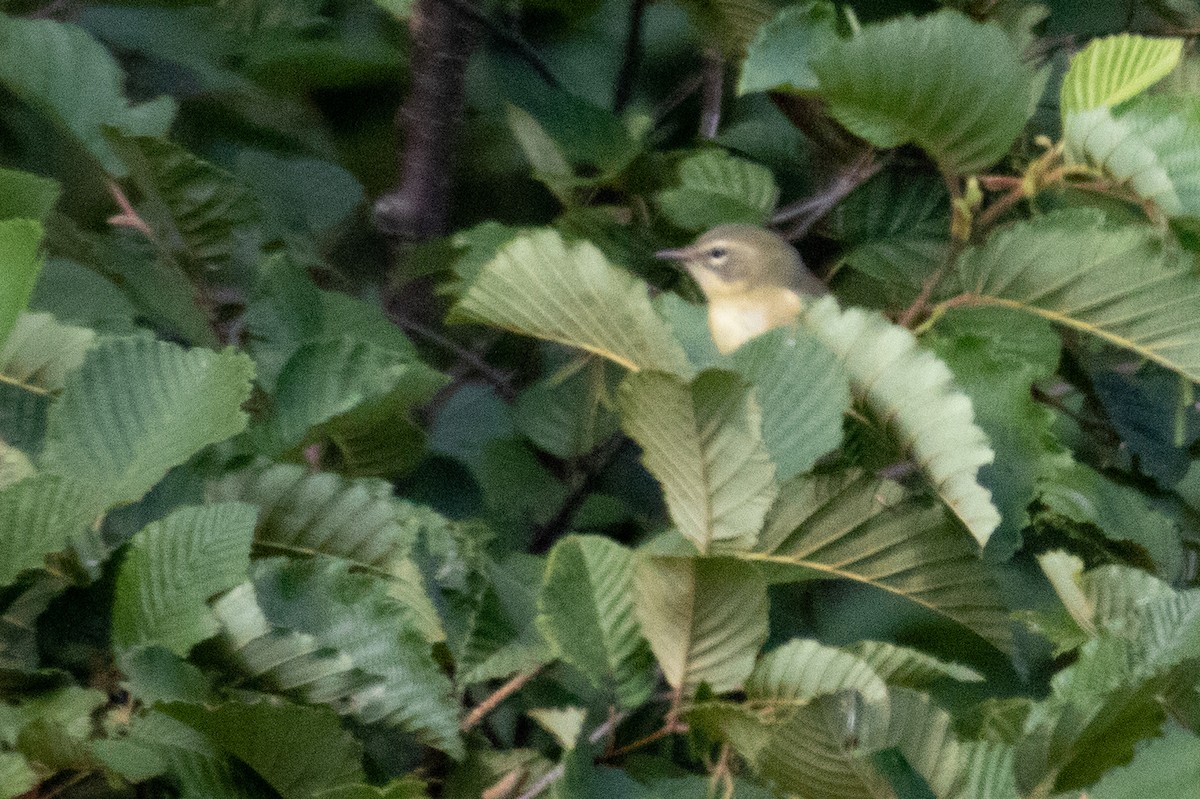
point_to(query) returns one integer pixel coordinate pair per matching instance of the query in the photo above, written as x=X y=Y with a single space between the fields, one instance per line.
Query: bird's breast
x=735 y=320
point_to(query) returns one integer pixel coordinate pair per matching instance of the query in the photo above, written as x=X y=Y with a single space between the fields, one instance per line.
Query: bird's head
x=730 y=260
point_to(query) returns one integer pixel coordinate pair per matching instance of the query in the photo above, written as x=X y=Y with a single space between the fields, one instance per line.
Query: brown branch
x=443 y=38
x=511 y=39
x=514 y=684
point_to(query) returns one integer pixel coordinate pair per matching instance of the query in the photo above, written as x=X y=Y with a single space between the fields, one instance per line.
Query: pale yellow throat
x=734 y=319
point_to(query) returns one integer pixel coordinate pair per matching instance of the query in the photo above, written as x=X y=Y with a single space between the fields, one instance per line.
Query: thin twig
x=686 y=88
x=555 y=774
x=802 y=215
x=511 y=39
x=496 y=378
x=594 y=466
x=633 y=56
x=713 y=94
x=514 y=684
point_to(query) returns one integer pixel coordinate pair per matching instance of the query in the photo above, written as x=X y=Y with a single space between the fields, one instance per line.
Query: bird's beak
x=680 y=254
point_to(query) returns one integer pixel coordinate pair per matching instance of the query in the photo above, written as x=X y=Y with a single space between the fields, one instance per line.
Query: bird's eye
x=718 y=253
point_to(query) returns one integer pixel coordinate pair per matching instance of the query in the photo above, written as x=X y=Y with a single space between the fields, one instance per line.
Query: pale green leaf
x=62 y=71
x=717 y=188
x=1118 y=283
x=705 y=619
x=1152 y=144
x=300 y=511
x=986 y=771
x=704 y=443
x=914 y=391
x=23 y=194
x=954 y=87
x=824 y=747
x=909 y=668
x=16 y=775
x=540 y=286
x=859 y=528
x=138 y=407
x=586 y=612
x=778 y=58
x=550 y=165
x=19 y=267
x=41 y=352
x=1113 y=69
x=298 y=750
x=40 y=515
x=797 y=672
x=173 y=566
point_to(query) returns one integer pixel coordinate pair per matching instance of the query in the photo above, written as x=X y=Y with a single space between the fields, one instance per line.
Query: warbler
x=754 y=281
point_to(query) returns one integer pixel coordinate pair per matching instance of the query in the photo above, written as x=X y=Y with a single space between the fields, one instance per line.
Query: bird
x=753 y=279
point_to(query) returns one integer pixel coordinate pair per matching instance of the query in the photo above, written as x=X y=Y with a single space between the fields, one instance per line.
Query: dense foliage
x=450 y=494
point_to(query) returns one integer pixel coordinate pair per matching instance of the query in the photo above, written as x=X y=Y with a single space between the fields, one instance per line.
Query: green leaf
x=357 y=394
x=1160 y=767
x=859 y=528
x=1072 y=493
x=717 y=188
x=203 y=219
x=540 y=286
x=797 y=672
x=586 y=612
x=953 y=87
x=41 y=515
x=297 y=750
x=23 y=194
x=915 y=391
x=40 y=352
x=333 y=637
x=138 y=407
x=172 y=568
x=1113 y=69
x=1118 y=283
x=324 y=513
x=987 y=771
x=303 y=194
x=19 y=267
x=569 y=416
x=1149 y=144
x=896 y=228
x=908 y=668
x=731 y=24
x=803 y=392
x=16 y=775
x=824 y=747
x=778 y=58
x=192 y=759
x=67 y=75
x=705 y=619
x=704 y=443
x=502 y=635
x=997 y=355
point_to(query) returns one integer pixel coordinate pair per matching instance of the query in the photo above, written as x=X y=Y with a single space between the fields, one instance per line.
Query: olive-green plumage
x=753 y=279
